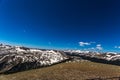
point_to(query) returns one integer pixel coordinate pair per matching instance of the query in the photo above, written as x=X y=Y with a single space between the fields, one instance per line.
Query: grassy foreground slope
x=68 y=71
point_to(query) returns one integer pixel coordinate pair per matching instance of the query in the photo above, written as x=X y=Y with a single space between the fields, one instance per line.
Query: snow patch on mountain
x=12 y=56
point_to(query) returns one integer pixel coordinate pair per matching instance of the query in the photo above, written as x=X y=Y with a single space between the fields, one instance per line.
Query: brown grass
x=67 y=71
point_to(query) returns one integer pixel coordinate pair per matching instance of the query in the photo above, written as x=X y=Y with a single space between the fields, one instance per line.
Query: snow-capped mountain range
x=106 y=55
x=16 y=58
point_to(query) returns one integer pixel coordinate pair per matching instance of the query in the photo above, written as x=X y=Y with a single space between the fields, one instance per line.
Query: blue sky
x=61 y=24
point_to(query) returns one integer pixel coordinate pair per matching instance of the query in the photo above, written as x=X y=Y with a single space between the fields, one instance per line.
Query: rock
x=13 y=59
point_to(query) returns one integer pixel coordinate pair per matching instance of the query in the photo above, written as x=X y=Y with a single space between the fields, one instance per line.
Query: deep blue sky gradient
x=60 y=24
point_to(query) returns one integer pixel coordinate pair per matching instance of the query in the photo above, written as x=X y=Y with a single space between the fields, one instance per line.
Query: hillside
x=82 y=70
x=22 y=63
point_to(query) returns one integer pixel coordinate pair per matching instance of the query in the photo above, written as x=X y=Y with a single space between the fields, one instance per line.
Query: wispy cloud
x=117 y=47
x=85 y=43
x=99 y=47
x=94 y=45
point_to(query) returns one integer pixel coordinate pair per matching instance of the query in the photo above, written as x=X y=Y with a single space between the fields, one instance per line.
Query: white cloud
x=99 y=47
x=92 y=48
x=85 y=43
x=117 y=47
